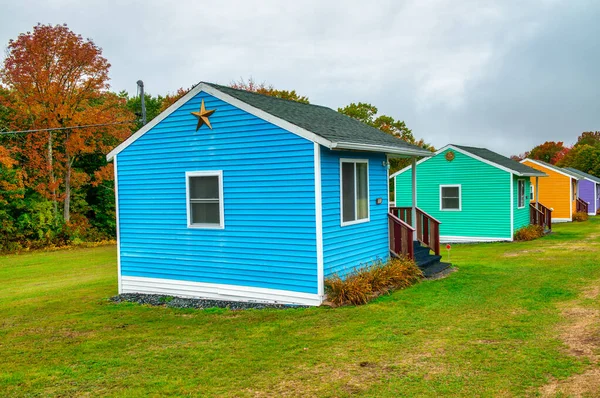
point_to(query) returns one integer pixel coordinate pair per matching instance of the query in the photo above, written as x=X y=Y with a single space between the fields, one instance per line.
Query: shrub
x=530 y=232
x=369 y=281
x=580 y=216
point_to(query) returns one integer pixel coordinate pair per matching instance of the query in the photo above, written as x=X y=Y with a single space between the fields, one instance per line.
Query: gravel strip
x=180 y=302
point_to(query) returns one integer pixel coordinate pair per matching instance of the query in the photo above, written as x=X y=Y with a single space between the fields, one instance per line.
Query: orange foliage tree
x=56 y=79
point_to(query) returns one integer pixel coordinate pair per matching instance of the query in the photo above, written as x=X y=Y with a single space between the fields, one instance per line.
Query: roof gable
x=488 y=157
x=315 y=123
x=552 y=167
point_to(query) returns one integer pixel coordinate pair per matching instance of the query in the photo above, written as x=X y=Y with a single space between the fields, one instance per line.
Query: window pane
x=362 y=191
x=449 y=192
x=204 y=187
x=348 y=201
x=205 y=213
x=450 y=203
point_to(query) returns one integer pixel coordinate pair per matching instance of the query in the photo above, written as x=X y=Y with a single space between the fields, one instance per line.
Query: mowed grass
x=490 y=329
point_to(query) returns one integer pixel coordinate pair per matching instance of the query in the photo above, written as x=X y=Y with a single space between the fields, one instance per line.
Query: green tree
x=267 y=89
x=367 y=114
x=583 y=157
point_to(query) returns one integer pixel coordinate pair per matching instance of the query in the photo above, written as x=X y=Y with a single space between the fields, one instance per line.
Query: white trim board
x=119 y=281
x=319 y=220
x=512 y=208
x=559 y=220
x=179 y=288
x=471 y=239
x=466 y=153
x=203 y=87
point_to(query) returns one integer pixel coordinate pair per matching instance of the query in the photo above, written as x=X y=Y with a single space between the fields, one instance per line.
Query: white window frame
x=519 y=181
x=531 y=192
x=362 y=220
x=206 y=173
x=459 y=196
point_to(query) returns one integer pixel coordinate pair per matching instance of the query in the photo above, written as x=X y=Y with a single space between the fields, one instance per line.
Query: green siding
x=521 y=215
x=485 y=196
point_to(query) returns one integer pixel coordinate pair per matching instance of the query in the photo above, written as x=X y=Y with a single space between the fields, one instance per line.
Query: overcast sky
x=506 y=75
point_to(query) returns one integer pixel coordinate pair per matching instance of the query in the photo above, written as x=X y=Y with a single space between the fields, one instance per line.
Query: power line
x=65 y=128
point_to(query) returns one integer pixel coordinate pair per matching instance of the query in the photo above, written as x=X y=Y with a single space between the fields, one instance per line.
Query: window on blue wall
x=521 y=189
x=205 y=199
x=355 y=191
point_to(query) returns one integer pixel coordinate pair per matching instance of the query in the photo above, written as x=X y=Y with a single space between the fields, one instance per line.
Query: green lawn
x=491 y=329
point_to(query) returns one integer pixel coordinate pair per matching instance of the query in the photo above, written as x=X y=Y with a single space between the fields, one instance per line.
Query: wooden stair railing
x=581 y=205
x=427 y=227
x=540 y=215
x=401 y=237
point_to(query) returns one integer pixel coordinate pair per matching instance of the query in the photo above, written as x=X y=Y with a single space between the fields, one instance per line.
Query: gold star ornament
x=202 y=116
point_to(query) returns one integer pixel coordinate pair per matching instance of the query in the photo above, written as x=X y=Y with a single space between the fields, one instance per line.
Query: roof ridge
x=220 y=86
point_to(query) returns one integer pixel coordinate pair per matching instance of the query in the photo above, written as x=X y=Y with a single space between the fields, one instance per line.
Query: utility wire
x=66 y=128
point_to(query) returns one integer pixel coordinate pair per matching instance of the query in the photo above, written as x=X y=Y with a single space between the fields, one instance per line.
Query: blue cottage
x=239 y=196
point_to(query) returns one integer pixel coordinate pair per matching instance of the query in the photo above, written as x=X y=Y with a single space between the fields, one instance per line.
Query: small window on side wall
x=205 y=199
x=450 y=197
x=521 y=189
x=354 y=181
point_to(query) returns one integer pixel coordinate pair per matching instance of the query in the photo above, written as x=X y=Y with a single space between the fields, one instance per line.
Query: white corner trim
x=319 y=220
x=205 y=173
x=215 y=291
x=362 y=220
x=512 y=208
x=119 y=281
x=471 y=239
x=459 y=186
x=566 y=174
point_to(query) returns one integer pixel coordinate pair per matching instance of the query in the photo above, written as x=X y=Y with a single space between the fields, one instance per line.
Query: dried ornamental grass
x=530 y=232
x=580 y=216
x=365 y=283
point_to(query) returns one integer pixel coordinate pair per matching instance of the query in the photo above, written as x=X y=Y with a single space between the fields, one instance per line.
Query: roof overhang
x=554 y=168
x=309 y=135
x=380 y=148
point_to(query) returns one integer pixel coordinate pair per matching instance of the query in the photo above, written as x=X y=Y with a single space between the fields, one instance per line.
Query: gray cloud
x=505 y=75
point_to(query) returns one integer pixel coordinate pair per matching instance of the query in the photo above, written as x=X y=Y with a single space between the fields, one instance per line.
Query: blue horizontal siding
x=345 y=248
x=269 y=240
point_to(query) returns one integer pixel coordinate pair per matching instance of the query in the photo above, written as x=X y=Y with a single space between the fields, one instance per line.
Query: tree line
x=56 y=187
x=584 y=155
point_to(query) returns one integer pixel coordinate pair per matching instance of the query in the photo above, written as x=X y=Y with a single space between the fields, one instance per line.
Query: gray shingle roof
x=503 y=161
x=583 y=174
x=322 y=121
x=559 y=169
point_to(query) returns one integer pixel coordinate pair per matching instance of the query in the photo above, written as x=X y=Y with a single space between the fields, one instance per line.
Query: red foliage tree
x=549 y=152
x=55 y=79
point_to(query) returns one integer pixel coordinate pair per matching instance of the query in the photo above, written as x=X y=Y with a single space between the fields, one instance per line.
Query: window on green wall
x=450 y=197
x=354 y=181
x=521 y=189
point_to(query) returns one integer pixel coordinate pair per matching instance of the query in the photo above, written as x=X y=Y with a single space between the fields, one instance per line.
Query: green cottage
x=477 y=195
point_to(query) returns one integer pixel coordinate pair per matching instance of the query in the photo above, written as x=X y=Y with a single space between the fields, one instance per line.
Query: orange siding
x=555 y=191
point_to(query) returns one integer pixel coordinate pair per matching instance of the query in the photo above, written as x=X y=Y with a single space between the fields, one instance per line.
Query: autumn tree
x=591 y=138
x=549 y=152
x=56 y=79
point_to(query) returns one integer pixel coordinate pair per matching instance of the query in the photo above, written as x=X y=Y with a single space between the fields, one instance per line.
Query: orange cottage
x=558 y=191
